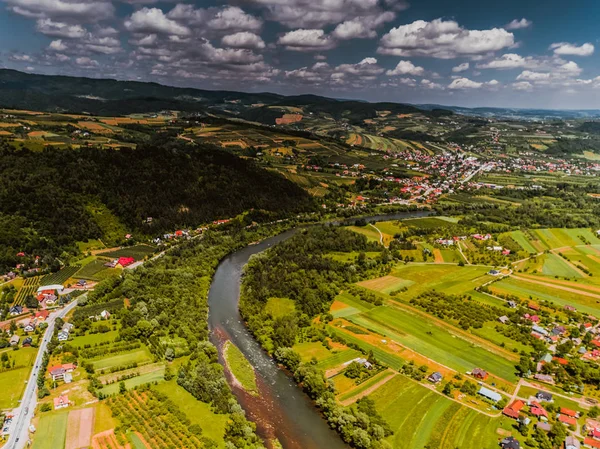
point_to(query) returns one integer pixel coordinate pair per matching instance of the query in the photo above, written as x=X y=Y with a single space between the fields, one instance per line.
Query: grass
x=213 y=425
x=278 y=307
x=554 y=265
x=386 y=284
x=240 y=367
x=103 y=419
x=422 y=418
x=60 y=277
x=368 y=231
x=147 y=378
x=92 y=339
x=338 y=358
x=138 y=252
x=135 y=441
x=51 y=431
x=138 y=356
x=365 y=385
x=310 y=350
x=84 y=247
x=91 y=270
x=13 y=381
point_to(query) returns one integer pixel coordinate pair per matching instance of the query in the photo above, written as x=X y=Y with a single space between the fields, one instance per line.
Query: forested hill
x=53 y=198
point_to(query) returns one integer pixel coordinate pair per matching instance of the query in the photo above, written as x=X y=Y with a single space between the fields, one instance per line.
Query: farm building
x=49 y=289
x=435 y=378
x=478 y=373
x=487 y=393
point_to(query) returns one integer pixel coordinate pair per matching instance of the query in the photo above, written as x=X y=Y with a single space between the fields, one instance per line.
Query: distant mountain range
x=49 y=93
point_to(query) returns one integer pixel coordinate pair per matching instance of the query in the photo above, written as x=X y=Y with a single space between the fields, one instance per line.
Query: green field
x=523 y=241
x=555 y=265
x=139 y=356
x=337 y=358
x=422 y=418
x=429 y=339
x=147 y=378
x=92 y=339
x=366 y=385
x=60 y=277
x=278 y=307
x=135 y=441
x=240 y=367
x=92 y=270
x=13 y=380
x=213 y=425
x=51 y=431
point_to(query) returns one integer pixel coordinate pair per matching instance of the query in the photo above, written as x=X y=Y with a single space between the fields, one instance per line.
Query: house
x=512 y=304
x=539 y=330
x=27 y=342
x=493 y=272
x=16 y=310
x=504 y=319
x=544 y=378
x=60 y=372
x=42 y=315
x=63 y=336
x=111 y=264
x=81 y=283
x=68 y=327
x=50 y=289
x=105 y=314
x=14 y=340
x=569 y=412
x=29 y=327
x=547 y=358
x=532 y=318
x=50 y=299
x=570 y=308
x=435 y=378
x=478 y=373
x=537 y=410
x=124 y=262
x=559 y=330
x=510 y=443
x=572 y=443
x=544 y=426
x=513 y=410
x=590 y=442
x=61 y=402
x=568 y=420
x=489 y=394
x=534 y=306
x=544 y=396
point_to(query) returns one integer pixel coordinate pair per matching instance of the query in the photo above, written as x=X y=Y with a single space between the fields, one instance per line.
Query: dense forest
x=301 y=270
x=52 y=198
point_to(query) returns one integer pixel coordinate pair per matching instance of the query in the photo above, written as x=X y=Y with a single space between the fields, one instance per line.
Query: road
x=19 y=433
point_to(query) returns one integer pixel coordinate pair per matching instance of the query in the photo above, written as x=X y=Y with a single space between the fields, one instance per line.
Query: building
x=546 y=427
x=513 y=410
x=537 y=410
x=14 y=340
x=489 y=394
x=61 y=402
x=480 y=374
x=63 y=336
x=125 y=262
x=435 y=378
x=50 y=289
x=568 y=420
x=590 y=442
x=510 y=443
x=16 y=310
x=544 y=396
x=572 y=443
x=27 y=342
x=504 y=319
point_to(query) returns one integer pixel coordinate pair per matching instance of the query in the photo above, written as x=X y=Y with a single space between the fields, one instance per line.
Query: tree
x=45 y=407
x=13 y=326
x=122 y=387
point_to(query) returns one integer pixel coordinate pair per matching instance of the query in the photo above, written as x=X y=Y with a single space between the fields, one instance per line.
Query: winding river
x=281 y=411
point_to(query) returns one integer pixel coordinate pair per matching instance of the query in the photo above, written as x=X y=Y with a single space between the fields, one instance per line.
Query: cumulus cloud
x=368 y=67
x=306 y=40
x=57 y=45
x=508 y=61
x=466 y=83
x=442 y=39
x=522 y=85
x=406 y=68
x=20 y=57
x=362 y=27
x=518 y=24
x=59 y=29
x=153 y=20
x=428 y=84
x=243 y=39
x=71 y=10
x=529 y=75
x=566 y=49
x=461 y=67
x=233 y=18
x=86 y=63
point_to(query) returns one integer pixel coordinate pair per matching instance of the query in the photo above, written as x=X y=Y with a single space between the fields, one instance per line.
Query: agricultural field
x=60 y=277
x=96 y=271
x=139 y=356
x=151 y=377
x=51 y=431
x=13 y=379
x=29 y=288
x=423 y=418
x=278 y=307
x=138 y=252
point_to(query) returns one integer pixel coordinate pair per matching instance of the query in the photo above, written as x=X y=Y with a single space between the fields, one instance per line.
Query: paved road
x=19 y=433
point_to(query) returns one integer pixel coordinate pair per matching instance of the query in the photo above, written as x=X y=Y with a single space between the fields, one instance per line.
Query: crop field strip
x=60 y=277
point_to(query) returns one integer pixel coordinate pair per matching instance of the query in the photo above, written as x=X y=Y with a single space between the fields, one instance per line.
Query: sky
x=514 y=53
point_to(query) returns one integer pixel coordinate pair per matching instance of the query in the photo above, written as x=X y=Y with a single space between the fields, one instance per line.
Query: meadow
x=138 y=356
x=13 y=380
x=157 y=375
x=422 y=418
x=138 y=252
x=51 y=431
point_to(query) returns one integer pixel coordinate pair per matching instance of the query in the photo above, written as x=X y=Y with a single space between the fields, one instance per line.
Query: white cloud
x=406 y=68
x=461 y=67
x=243 y=39
x=507 y=61
x=518 y=24
x=153 y=20
x=80 y=10
x=570 y=68
x=564 y=49
x=57 y=45
x=368 y=67
x=306 y=40
x=21 y=58
x=464 y=83
x=442 y=39
x=529 y=75
x=234 y=18
x=523 y=85
x=86 y=63
x=362 y=27
x=427 y=84
x=59 y=29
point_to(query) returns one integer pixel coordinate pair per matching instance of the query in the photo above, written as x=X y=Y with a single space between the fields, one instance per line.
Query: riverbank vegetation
x=240 y=368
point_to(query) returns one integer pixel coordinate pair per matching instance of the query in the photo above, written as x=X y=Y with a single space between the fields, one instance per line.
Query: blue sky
x=515 y=53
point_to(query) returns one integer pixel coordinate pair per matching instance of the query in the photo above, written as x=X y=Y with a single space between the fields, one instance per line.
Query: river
x=282 y=410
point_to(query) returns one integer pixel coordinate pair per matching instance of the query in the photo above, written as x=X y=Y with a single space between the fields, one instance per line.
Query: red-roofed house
x=125 y=261
x=42 y=315
x=532 y=318
x=590 y=442
x=595 y=343
x=560 y=360
x=569 y=412
x=568 y=420
x=61 y=402
x=478 y=373
x=595 y=433
x=537 y=410
x=533 y=306
x=514 y=409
